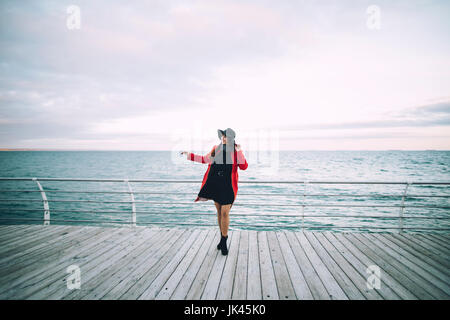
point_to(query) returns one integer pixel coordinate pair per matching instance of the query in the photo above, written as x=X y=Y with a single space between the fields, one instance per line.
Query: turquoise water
x=252 y=198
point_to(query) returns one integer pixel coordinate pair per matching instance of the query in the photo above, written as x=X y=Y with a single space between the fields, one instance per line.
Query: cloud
x=153 y=66
x=440 y=109
x=437 y=114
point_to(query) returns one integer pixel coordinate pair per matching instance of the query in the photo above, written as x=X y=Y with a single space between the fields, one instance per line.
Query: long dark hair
x=213 y=153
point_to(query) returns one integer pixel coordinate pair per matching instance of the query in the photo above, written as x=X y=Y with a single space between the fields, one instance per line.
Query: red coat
x=241 y=163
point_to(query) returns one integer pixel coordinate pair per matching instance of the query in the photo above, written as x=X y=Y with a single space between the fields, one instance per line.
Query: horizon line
x=62 y=149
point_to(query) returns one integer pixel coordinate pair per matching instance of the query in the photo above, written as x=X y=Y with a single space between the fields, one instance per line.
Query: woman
x=220 y=182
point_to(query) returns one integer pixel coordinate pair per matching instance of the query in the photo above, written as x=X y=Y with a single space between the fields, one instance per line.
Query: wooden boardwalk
x=176 y=263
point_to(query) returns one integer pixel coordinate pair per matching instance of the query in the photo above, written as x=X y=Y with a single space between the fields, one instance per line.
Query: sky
x=165 y=75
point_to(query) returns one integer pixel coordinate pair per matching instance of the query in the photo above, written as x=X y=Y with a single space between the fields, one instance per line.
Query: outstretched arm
x=199 y=158
x=242 y=162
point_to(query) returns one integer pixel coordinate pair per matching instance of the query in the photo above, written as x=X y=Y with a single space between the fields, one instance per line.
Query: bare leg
x=219 y=215
x=225 y=210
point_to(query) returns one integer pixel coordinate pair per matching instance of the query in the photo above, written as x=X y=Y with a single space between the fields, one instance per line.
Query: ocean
x=274 y=206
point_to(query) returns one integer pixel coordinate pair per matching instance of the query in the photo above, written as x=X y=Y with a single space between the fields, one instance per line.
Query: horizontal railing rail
x=245 y=194
x=134 y=212
x=243 y=204
x=246 y=181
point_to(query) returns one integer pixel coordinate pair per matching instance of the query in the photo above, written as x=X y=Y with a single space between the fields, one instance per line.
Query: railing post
x=400 y=220
x=46 y=206
x=303 y=205
x=133 y=205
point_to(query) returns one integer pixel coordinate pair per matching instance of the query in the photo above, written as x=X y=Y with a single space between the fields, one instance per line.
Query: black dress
x=218 y=184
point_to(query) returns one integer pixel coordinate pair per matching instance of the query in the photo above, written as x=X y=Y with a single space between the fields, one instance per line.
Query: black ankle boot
x=223 y=246
x=219 y=246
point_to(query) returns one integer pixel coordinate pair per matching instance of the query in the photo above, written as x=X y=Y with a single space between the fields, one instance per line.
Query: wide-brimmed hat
x=229 y=133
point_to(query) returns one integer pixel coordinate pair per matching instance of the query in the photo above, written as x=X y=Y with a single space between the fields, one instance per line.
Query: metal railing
x=303 y=196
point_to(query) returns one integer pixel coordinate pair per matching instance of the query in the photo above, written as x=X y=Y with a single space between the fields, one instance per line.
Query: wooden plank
x=198 y=285
x=416 y=256
x=20 y=232
x=440 y=237
x=169 y=241
x=32 y=240
x=106 y=279
x=28 y=237
x=240 y=280
x=430 y=244
x=23 y=257
x=9 y=227
x=369 y=258
x=212 y=284
x=165 y=291
x=433 y=240
x=94 y=269
x=344 y=272
x=94 y=259
x=225 y=289
x=313 y=280
x=35 y=269
x=187 y=281
x=51 y=284
x=282 y=277
x=15 y=231
x=186 y=239
x=35 y=272
x=426 y=246
x=428 y=279
x=421 y=252
x=387 y=265
x=268 y=281
x=25 y=267
x=4 y=228
x=165 y=274
x=254 y=291
x=360 y=263
x=139 y=259
x=441 y=243
x=413 y=266
x=328 y=280
x=337 y=271
x=299 y=282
